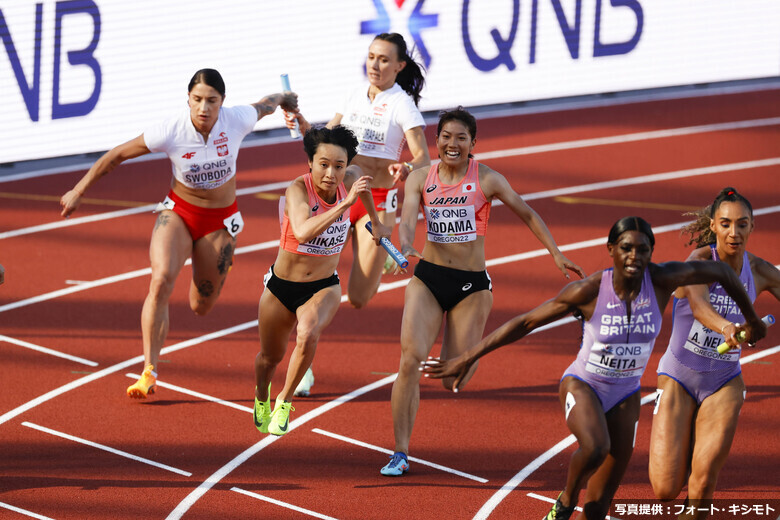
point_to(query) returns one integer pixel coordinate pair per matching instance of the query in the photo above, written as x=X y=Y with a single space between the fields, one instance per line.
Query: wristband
x=409 y=166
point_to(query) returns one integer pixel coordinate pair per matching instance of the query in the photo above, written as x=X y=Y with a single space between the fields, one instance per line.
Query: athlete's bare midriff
x=219 y=197
x=376 y=167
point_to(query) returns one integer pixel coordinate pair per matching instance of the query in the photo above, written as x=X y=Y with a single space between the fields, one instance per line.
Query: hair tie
x=730 y=192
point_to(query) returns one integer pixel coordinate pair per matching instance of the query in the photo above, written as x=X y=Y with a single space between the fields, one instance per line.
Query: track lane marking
x=525 y=150
x=107 y=448
x=282 y=504
x=45 y=350
x=390 y=452
x=225 y=470
x=524 y=473
x=552 y=501
x=247 y=409
x=24 y=511
x=193 y=393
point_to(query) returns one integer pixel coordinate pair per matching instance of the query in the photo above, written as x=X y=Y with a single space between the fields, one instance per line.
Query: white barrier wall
x=80 y=76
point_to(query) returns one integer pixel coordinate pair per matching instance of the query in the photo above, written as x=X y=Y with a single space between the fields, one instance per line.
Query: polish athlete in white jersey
x=199 y=218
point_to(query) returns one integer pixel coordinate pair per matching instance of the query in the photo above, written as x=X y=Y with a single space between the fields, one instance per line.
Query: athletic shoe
x=558 y=512
x=280 y=419
x=397 y=466
x=144 y=386
x=263 y=412
x=304 y=387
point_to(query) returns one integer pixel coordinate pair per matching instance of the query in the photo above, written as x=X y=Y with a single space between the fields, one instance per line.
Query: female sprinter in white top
x=199 y=218
x=383 y=114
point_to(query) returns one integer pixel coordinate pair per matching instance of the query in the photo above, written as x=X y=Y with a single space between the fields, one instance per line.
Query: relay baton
x=295 y=133
x=724 y=347
x=391 y=249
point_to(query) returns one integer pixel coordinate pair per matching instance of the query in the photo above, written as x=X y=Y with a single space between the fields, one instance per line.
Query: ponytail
x=411 y=78
x=699 y=230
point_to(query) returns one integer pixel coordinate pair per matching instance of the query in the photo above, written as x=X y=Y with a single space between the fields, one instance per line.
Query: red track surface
x=507 y=417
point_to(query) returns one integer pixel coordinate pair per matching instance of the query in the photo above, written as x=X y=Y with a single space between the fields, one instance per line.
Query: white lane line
x=390 y=452
x=630 y=138
x=225 y=470
x=538 y=195
x=524 y=473
x=199 y=395
x=120 y=366
x=118 y=278
x=552 y=501
x=45 y=350
x=148 y=208
x=107 y=448
x=282 y=504
x=24 y=511
x=526 y=150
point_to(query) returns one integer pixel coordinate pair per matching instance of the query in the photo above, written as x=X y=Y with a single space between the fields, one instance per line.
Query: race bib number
x=704 y=342
x=619 y=360
x=234 y=224
x=391 y=202
x=451 y=224
x=166 y=204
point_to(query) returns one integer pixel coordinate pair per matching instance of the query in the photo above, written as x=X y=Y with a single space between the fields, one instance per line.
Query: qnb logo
x=435 y=214
x=30 y=88
x=570 y=29
x=418 y=21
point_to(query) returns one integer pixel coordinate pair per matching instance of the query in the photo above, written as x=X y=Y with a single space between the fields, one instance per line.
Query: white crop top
x=380 y=125
x=199 y=164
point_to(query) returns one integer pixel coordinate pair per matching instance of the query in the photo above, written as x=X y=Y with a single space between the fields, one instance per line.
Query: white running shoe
x=304 y=387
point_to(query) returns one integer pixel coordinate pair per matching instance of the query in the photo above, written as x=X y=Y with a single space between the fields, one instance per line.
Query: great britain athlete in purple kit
x=199 y=218
x=700 y=392
x=621 y=309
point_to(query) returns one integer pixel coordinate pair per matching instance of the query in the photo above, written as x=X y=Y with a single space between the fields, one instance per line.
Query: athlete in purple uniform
x=700 y=392
x=621 y=309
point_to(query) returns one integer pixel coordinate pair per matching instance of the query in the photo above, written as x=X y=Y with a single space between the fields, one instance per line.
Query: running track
x=75 y=447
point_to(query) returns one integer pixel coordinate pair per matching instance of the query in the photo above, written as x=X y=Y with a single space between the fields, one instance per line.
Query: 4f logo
x=415 y=25
x=188 y=155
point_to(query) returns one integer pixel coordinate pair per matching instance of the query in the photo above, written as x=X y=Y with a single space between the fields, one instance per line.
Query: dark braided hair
x=411 y=76
x=699 y=230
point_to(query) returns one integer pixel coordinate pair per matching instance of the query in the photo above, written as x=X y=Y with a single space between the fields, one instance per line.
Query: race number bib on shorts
x=618 y=360
x=704 y=342
x=451 y=224
x=234 y=224
x=391 y=202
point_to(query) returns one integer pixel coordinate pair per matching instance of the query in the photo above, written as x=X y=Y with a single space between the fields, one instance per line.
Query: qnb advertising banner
x=80 y=76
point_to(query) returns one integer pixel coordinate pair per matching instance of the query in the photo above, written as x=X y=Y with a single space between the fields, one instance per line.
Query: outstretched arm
x=110 y=160
x=574 y=296
x=415 y=139
x=674 y=274
x=495 y=185
x=268 y=105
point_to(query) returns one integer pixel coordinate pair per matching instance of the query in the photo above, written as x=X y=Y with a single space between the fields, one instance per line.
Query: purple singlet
x=615 y=350
x=692 y=357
